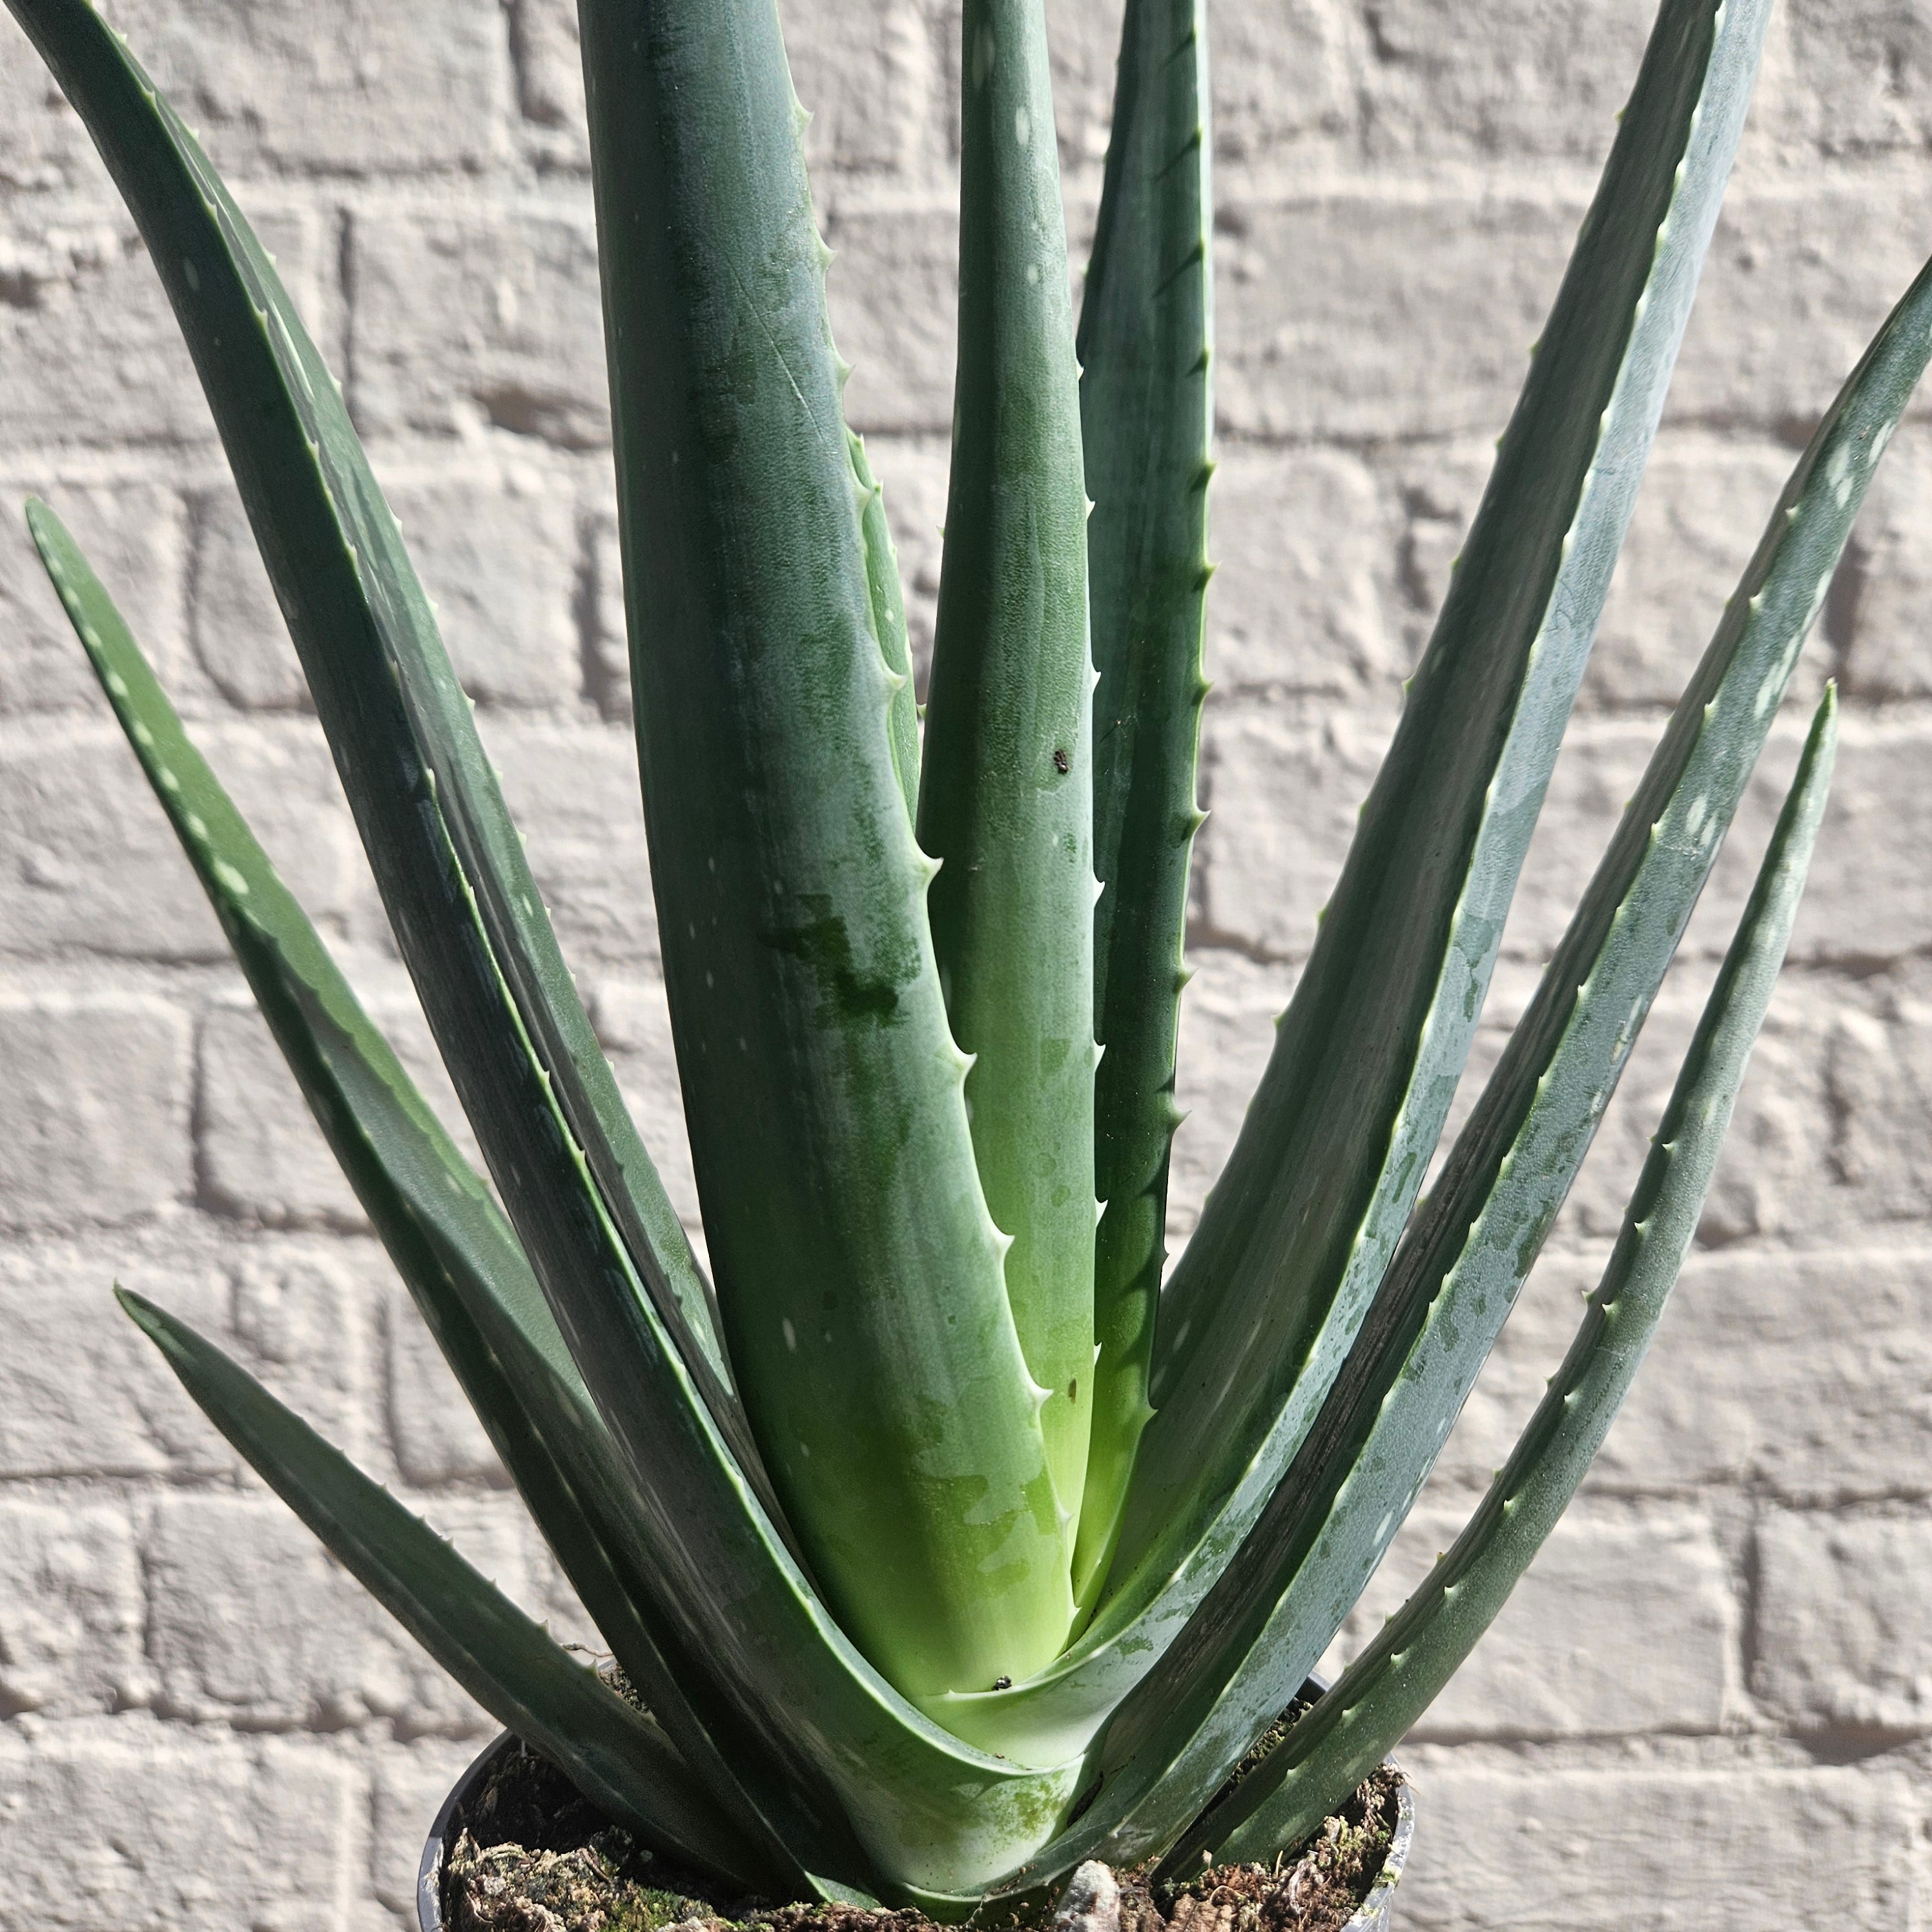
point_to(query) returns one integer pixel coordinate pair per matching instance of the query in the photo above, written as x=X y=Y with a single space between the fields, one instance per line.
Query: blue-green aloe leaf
x=1334 y=1745
x=1462 y=1262
x=1006 y=789
x=1147 y=412
x=887 y=594
x=859 y=1272
x=932 y=1811
x=1303 y=1218
x=444 y=1233
x=1294 y=1239
x=382 y=682
x=616 y=1755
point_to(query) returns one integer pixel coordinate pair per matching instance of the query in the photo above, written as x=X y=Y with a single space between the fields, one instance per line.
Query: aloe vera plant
x=945 y=1542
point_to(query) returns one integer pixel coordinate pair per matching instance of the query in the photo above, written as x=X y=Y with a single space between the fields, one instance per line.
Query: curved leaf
x=1438 y=1311
x=720 y=1573
x=615 y=1754
x=397 y=721
x=1295 y=1238
x=1333 y=1746
x=442 y=1230
x=1304 y=1217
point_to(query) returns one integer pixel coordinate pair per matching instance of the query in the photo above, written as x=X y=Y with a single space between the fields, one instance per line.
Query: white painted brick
x=607 y=651
x=1877 y=1066
x=1842 y=1633
x=869 y=75
x=1779 y=1174
x=1868 y=71
x=1516 y=80
x=1283 y=782
x=1785 y=1170
x=573 y=790
x=70 y=1608
x=1622 y=1626
x=1281 y=75
x=1371 y=312
x=261 y=1152
x=90 y=321
x=239 y=635
x=1866 y=900
x=128 y=532
x=547 y=60
x=299 y=1316
x=1083 y=38
x=634 y=1022
x=424 y=88
x=82 y=1391
x=94 y=1112
x=97 y=865
x=1774 y=1177
x=132 y=1828
x=434 y=1431
x=1401 y=187
x=410 y=1785
x=1549 y=1851
x=1228 y=1014
x=42 y=142
x=1886 y=594
x=250 y=1619
x=1703 y=504
x=1870 y=894
x=1304 y=560
x=1798 y=279
x=495 y=549
x=892 y=289
x=1803 y=1373
x=470 y=317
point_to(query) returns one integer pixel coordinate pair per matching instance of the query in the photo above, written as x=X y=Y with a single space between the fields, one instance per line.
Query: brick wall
x=1710 y=1704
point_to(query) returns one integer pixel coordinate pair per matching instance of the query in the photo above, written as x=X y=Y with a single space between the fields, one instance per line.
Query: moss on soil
x=532 y=1855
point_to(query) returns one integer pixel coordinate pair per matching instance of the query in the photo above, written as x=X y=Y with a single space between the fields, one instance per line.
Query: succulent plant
x=946 y=1539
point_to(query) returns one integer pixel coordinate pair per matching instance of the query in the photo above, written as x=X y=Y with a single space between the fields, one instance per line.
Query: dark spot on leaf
x=825 y=949
x=1073 y=1389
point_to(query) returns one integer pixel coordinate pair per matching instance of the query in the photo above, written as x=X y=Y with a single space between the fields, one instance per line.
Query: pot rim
x=1371 y=1916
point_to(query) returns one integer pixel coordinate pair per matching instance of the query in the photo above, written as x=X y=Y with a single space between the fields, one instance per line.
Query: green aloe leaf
x=1461 y=1263
x=931 y=1811
x=1333 y=1746
x=858 y=1271
x=1147 y=413
x=1303 y=1218
x=888 y=601
x=398 y=721
x=447 y=1238
x=1263 y=1308
x=616 y=1755
x=1006 y=791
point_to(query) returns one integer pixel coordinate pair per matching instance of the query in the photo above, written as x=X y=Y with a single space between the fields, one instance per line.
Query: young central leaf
x=1006 y=802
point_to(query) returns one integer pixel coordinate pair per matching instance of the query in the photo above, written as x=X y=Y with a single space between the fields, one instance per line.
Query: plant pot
x=1374 y=1915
